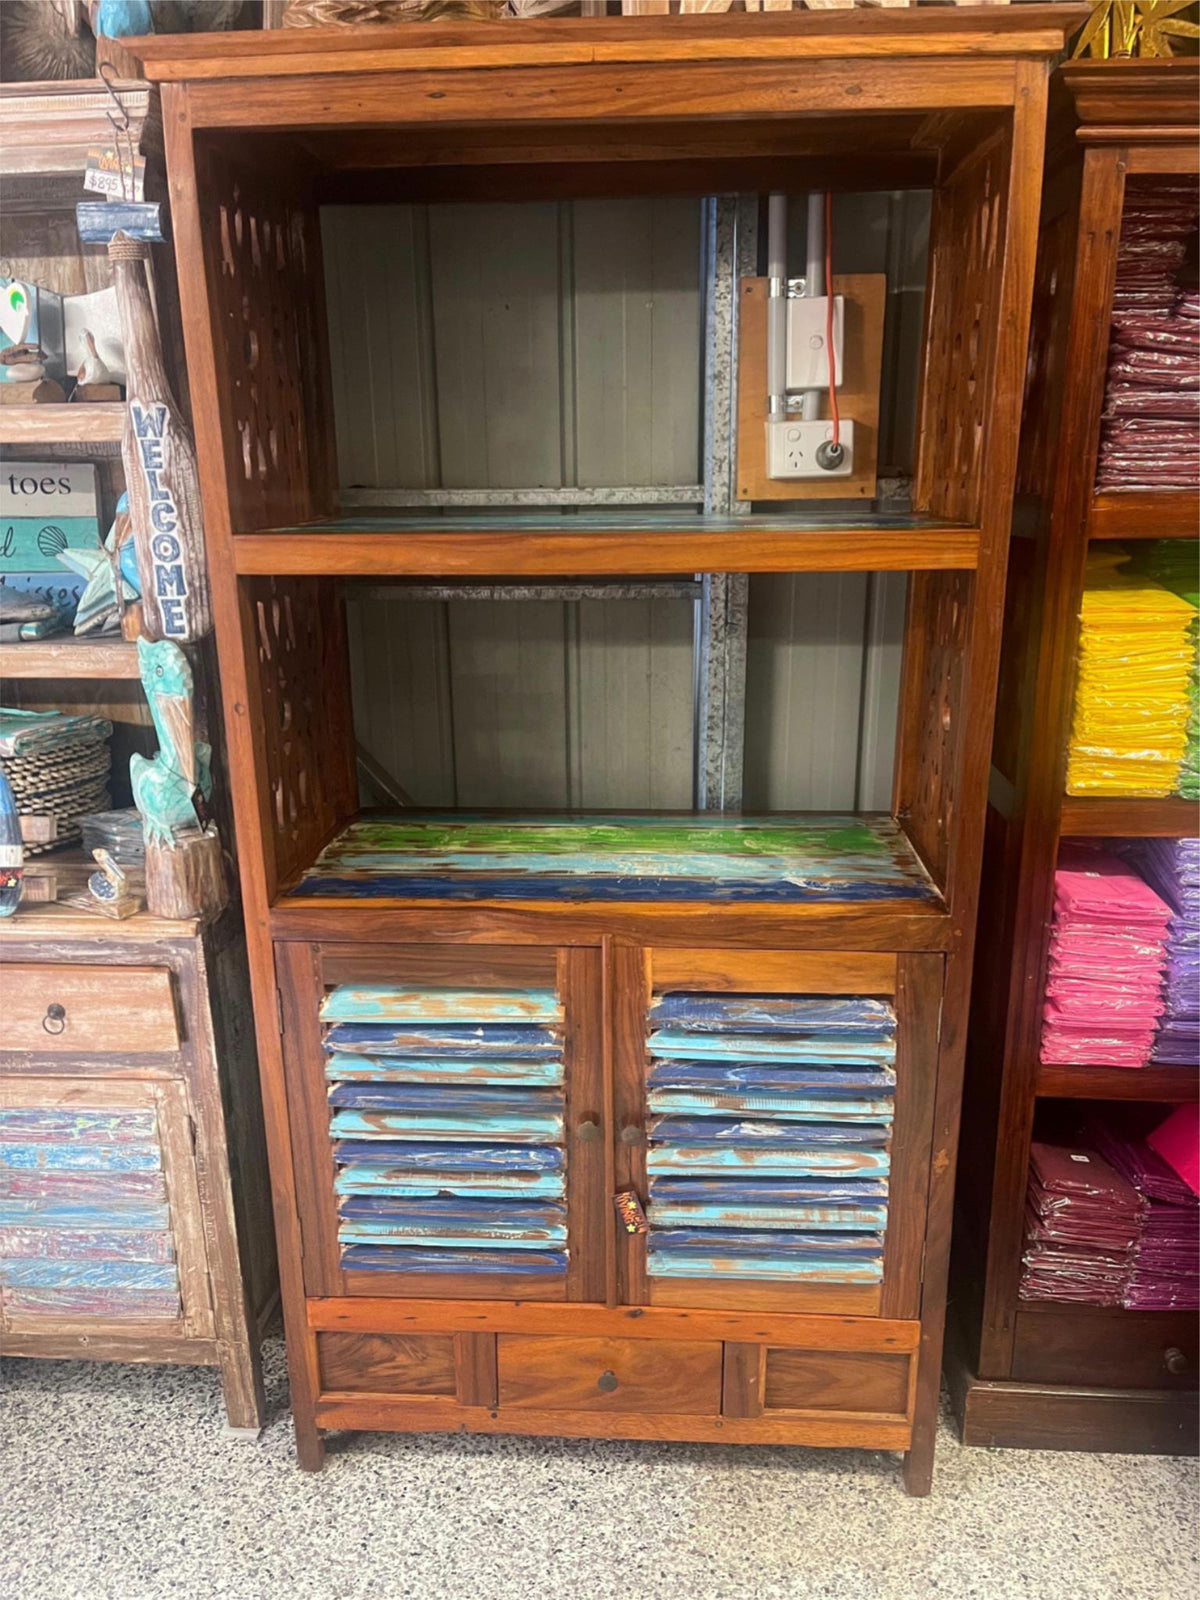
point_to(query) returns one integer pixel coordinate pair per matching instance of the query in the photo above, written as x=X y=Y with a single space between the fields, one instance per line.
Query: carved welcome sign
x=160 y=469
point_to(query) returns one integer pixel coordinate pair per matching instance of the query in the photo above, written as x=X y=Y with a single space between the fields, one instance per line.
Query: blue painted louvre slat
x=393 y=1258
x=770 y=1118
x=33 y=1124
x=740 y=1077
x=84 y=1244
x=447 y=1113
x=445 y=1041
x=411 y=1069
x=102 y=1213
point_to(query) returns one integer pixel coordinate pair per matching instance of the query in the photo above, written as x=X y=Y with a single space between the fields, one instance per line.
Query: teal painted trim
x=394 y=1003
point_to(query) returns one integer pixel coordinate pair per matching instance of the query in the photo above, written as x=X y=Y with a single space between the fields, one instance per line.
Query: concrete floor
x=121 y=1482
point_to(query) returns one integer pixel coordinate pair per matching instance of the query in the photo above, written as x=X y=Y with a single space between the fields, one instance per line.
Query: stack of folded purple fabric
x=1107 y=953
x=1165 y=1270
x=1151 y=429
x=1172 y=867
x=1082 y=1222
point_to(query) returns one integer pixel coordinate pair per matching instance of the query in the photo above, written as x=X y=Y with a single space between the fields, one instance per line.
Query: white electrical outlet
x=792 y=448
x=807 y=355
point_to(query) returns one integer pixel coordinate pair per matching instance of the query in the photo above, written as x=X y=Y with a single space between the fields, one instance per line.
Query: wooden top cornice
x=1131 y=101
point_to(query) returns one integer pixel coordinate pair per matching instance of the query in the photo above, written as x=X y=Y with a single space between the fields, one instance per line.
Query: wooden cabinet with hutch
x=1023 y=1372
x=133 y=1187
x=597 y=952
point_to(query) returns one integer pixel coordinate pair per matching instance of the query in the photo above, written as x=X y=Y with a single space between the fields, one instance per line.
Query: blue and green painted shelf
x=708 y=857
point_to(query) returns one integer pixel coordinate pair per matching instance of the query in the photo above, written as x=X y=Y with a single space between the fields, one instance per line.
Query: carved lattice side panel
x=1045 y=375
x=267 y=287
x=934 y=712
x=965 y=261
x=298 y=632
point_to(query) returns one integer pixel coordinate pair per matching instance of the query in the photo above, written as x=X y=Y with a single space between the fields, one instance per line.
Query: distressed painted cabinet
x=640 y=1126
x=134 y=1213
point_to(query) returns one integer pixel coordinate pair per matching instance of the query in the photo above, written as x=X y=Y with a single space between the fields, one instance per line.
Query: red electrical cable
x=833 y=405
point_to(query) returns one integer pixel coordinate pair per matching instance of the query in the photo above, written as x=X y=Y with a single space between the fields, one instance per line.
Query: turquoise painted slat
x=84 y=1244
x=768 y=1191
x=769 y=1160
x=498 y=1236
x=344 y=1068
x=376 y=1002
x=750 y=1047
x=395 y=1258
x=667 y=1215
x=37 y=1274
x=533 y=1128
x=765 y=1013
x=106 y=1305
x=766 y=1131
x=30 y=1125
x=92 y=1157
x=363 y=1179
x=745 y=1077
x=134 y=1214
x=816 y=1269
x=788 y=1107
x=748 y=1242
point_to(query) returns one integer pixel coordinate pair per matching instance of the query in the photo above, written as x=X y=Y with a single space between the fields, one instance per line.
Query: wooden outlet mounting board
x=858 y=396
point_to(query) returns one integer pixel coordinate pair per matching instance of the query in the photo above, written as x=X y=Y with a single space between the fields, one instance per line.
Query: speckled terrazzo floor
x=121 y=1482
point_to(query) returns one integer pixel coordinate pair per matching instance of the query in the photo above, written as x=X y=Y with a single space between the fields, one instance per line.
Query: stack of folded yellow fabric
x=1129 y=735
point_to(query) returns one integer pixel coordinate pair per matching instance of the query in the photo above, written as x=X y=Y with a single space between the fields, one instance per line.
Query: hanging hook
x=128 y=179
x=107 y=72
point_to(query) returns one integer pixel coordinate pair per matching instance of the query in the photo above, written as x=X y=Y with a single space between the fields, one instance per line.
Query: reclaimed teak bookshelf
x=560 y=942
x=1026 y=1373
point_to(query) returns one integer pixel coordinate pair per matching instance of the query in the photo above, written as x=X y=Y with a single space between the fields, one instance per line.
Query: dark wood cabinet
x=1024 y=1373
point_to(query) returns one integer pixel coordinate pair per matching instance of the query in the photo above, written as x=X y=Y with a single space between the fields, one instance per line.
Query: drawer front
x=388 y=1363
x=1110 y=1349
x=71 y=1009
x=665 y=1377
x=857 y=1382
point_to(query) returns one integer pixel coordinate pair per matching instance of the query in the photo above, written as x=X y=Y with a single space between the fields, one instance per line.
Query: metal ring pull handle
x=55 y=1020
x=1175 y=1361
x=606 y=1382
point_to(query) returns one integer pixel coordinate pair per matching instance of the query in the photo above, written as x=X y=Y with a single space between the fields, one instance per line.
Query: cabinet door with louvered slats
x=774 y=1115
x=447 y=1119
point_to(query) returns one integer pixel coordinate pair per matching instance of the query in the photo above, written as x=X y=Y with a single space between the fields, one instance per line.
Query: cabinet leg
x=310 y=1444
x=918 y=1466
x=242 y=1386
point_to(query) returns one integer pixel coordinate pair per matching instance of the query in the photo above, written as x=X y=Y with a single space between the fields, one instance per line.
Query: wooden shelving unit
x=1023 y=1373
x=603 y=1335
x=138 y=1024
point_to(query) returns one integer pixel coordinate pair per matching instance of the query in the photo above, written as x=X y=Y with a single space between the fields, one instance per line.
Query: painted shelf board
x=1172 y=1085
x=35 y=920
x=1120 y=818
x=611 y=857
x=68 y=657
x=54 y=424
x=525 y=544
x=1145 y=514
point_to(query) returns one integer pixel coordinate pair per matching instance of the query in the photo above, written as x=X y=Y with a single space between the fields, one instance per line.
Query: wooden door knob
x=588 y=1132
x=632 y=1135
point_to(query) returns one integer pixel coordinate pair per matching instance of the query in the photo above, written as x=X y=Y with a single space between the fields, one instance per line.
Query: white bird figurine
x=92 y=368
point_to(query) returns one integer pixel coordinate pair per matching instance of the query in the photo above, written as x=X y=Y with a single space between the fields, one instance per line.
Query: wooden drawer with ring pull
x=662 y=1376
x=94 y=1009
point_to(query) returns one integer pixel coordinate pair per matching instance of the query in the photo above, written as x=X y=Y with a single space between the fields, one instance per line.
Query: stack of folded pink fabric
x=1165 y=1268
x=1082 y=1221
x=1108 y=951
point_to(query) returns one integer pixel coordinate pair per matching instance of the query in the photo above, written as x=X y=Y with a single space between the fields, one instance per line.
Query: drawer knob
x=588 y=1132
x=632 y=1135
x=55 y=1019
x=606 y=1382
x=1175 y=1361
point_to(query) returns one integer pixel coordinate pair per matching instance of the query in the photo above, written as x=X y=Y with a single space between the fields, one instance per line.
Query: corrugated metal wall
x=552 y=345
